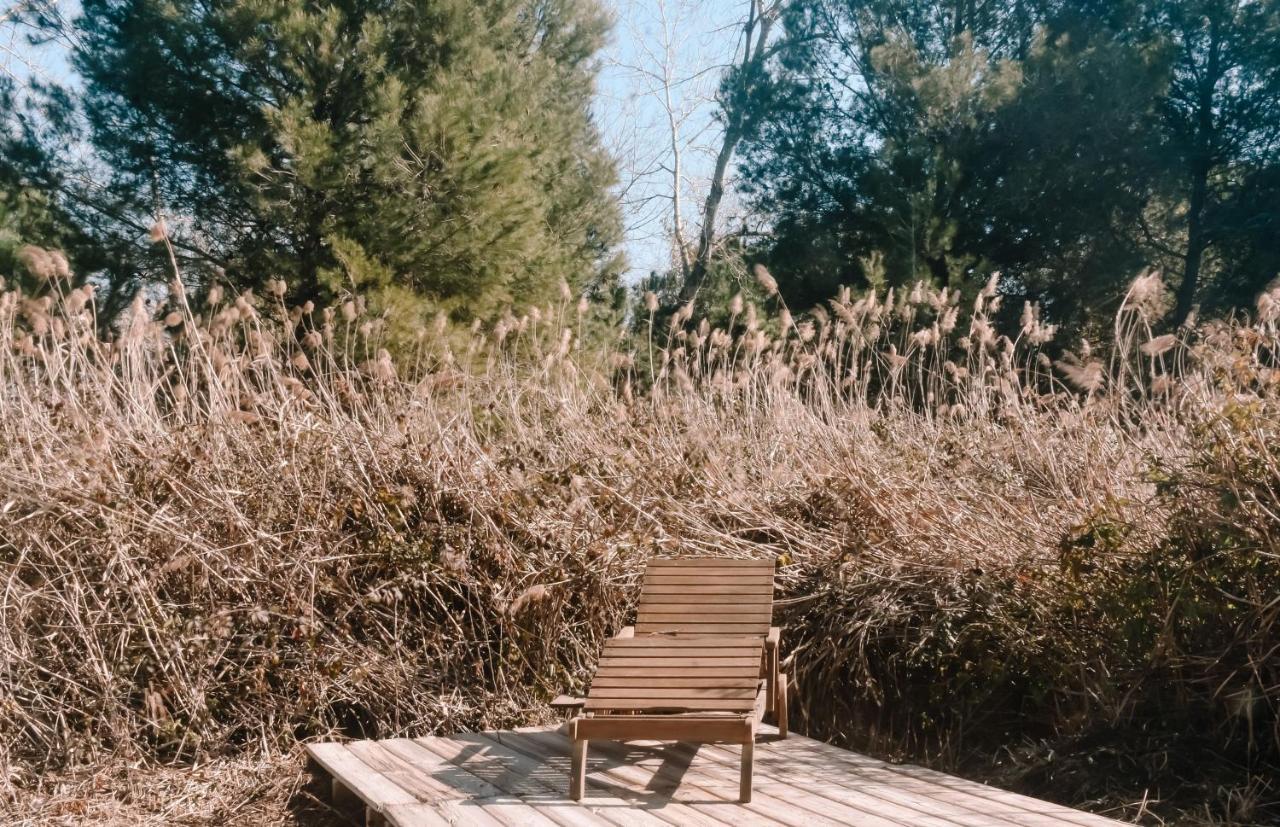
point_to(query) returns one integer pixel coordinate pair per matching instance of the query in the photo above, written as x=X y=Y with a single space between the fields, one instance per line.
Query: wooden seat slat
x=702 y=588
x=641 y=690
x=761 y=599
x=703 y=651
x=653 y=618
x=677 y=681
x=697 y=562
x=677 y=642
x=742 y=705
x=659 y=673
x=684 y=661
x=752 y=608
x=699 y=576
x=702 y=628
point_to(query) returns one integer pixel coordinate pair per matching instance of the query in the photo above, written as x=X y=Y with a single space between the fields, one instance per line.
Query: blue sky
x=689 y=42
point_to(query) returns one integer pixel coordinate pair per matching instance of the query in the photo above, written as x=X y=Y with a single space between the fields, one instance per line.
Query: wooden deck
x=521 y=777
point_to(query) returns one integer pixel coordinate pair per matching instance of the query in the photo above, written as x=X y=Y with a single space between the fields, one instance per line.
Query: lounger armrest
x=627 y=631
x=774 y=637
x=568 y=702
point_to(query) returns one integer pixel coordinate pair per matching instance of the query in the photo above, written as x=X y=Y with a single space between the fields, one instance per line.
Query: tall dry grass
x=241 y=522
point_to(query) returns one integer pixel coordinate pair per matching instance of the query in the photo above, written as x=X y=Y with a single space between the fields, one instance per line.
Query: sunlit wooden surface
x=521 y=777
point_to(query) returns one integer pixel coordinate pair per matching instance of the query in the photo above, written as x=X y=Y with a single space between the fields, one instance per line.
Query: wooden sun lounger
x=716 y=596
x=692 y=689
x=691 y=668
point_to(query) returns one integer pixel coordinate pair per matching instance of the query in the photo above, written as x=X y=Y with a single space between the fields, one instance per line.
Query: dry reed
x=240 y=523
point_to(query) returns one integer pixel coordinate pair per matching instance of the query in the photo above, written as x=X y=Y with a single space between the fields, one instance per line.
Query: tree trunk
x=1196 y=243
x=939 y=270
x=698 y=271
x=759 y=22
x=1201 y=165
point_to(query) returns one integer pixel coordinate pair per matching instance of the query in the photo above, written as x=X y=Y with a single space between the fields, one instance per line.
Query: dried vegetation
x=239 y=523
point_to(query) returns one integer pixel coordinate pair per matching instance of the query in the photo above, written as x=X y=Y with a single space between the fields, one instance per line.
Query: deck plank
x=520 y=778
x=624 y=768
x=373 y=787
x=772 y=799
x=964 y=795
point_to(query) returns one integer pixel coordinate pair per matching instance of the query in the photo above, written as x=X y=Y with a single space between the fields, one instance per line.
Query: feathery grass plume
x=1269 y=305
x=765 y=279
x=650 y=302
x=38 y=261
x=1159 y=345
x=1085 y=376
x=159 y=231
x=1148 y=296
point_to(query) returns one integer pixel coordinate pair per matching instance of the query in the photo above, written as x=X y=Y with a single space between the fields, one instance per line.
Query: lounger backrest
x=706 y=596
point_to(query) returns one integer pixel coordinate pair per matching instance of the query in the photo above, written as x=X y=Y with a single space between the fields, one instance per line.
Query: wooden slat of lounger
x=664 y=673
x=745 y=643
x=687 y=644
x=707 y=561
x=707 y=599
x=649 y=615
x=712 y=565
x=699 y=576
x=673 y=692
x=639 y=668
x=704 y=649
x=692 y=663
x=664 y=727
x=738 y=705
x=693 y=628
x=707 y=668
x=755 y=610
x=710 y=587
x=747 y=680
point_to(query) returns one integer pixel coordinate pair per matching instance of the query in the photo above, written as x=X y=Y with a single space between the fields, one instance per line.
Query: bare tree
x=747 y=67
x=673 y=138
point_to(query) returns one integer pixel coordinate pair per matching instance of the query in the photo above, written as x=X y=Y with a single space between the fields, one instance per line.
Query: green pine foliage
x=1065 y=145
x=427 y=155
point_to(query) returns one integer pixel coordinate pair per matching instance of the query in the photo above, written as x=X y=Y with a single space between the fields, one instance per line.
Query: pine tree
x=437 y=152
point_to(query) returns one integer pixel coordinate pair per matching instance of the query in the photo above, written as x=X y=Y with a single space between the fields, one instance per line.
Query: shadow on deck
x=521 y=777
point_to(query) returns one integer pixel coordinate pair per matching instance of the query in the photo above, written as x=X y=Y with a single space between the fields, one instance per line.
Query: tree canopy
x=434 y=152
x=1064 y=143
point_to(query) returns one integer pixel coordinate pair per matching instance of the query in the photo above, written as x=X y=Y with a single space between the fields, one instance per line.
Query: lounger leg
x=578 y=778
x=744 y=784
x=771 y=676
x=783 y=729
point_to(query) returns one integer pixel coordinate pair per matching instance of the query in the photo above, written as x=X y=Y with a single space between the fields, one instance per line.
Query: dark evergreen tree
x=1065 y=143
x=431 y=152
